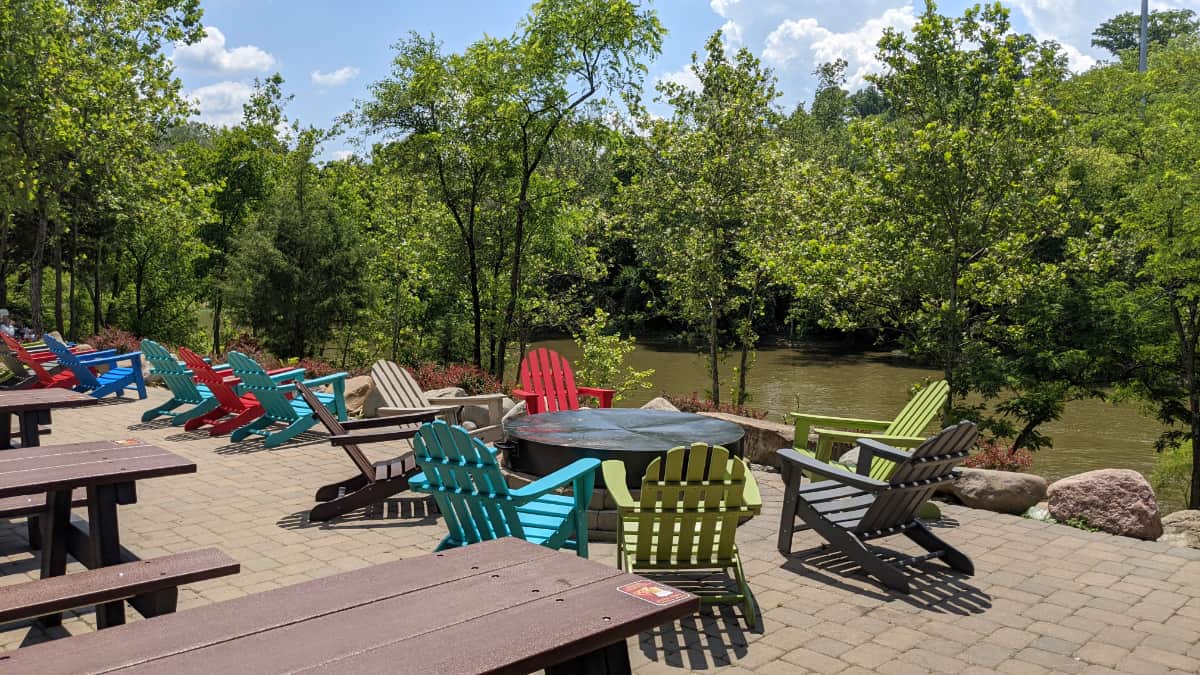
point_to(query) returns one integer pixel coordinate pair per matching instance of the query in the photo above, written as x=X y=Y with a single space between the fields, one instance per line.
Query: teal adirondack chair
x=294 y=413
x=464 y=477
x=905 y=431
x=113 y=381
x=184 y=390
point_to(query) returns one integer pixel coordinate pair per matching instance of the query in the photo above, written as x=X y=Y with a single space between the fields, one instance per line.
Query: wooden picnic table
x=32 y=407
x=108 y=470
x=502 y=606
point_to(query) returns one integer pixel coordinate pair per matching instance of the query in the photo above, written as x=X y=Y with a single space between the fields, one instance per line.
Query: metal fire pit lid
x=623 y=429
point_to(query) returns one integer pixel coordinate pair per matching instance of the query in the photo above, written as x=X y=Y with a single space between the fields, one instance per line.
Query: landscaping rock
x=446 y=392
x=660 y=403
x=1039 y=511
x=516 y=411
x=373 y=402
x=850 y=458
x=1000 y=491
x=1182 y=528
x=357 y=391
x=1117 y=501
x=762 y=438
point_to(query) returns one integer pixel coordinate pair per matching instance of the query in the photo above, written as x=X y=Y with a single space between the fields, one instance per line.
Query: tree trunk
x=58 y=280
x=96 y=297
x=36 y=261
x=713 y=353
x=216 y=324
x=4 y=228
x=72 y=299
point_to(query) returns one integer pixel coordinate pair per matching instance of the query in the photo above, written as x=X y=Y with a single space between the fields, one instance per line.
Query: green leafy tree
x=705 y=201
x=1123 y=32
x=604 y=353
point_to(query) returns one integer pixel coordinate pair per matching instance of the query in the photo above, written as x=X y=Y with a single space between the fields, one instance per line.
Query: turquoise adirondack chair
x=464 y=477
x=114 y=381
x=184 y=390
x=278 y=408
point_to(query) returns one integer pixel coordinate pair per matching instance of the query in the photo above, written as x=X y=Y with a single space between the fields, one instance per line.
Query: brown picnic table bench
x=502 y=606
x=32 y=409
x=50 y=479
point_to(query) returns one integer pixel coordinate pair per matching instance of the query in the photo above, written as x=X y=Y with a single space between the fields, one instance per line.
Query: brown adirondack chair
x=548 y=384
x=849 y=509
x=376 y=481
x=401 y=395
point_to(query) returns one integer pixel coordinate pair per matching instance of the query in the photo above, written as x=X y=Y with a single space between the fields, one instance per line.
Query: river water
x=1090 y=435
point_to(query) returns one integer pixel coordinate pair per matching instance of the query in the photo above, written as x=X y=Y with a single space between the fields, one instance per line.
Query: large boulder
x=762 y=438
x=357 y=390
x=1182 y=528
x=1117 y=501
x=660 y=403
x=1001 y=491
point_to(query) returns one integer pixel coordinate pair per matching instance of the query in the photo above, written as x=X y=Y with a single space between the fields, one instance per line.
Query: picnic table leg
x=105 y=542
x=29 y=428
x=5 y=431
x=55 y=525
x=610 y=660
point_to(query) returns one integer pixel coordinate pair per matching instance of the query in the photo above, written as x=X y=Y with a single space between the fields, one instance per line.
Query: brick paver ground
x=1046 y=598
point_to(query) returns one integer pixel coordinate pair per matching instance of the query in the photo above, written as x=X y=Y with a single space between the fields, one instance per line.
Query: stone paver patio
x=1046 y=598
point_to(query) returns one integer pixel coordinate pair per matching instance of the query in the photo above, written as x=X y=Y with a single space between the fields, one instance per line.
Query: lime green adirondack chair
x=905 y=431
x=184 y=390
x=687 y=516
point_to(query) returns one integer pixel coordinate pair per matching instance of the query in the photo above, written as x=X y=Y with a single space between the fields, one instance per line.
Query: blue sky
x=329 y=53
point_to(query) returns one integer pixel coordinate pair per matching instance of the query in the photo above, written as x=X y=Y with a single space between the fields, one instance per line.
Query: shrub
x=693 y=403
x=115 y=338
x=470 y=378
x=247 y=345
x=1172 y=474
x=603 y=362
x=992 y=455
x=316 y=368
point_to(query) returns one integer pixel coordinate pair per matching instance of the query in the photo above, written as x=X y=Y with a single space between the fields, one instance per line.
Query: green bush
x=1172 y=474
x=603 y=361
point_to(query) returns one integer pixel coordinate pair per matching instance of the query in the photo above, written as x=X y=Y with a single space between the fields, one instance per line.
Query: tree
x=1122 y=33
x=705 y=202
x=1140 y=142
x=951 y=219
x=486 y=123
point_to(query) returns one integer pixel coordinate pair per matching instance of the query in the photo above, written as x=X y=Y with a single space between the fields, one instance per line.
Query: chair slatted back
x=546 y=373
x=397 y=386
x=177 y=378
x=690 y=506
x=912 y=420
x=335 y=428
x=914 y=480
x=82 y=373
x=43 y=376
x=467 y=483
x=256 y=381
x=203 y=373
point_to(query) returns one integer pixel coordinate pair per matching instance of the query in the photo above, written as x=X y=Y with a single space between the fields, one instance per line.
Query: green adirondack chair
x=687 y=516
x=278 y=407
x=184 y=390
x=905 y=431
x=464 y=477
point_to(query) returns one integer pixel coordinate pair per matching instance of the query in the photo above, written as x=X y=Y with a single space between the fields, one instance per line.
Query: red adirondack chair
x=548 y=384
x=244 y=408
x=63 y=378
x=41 y=355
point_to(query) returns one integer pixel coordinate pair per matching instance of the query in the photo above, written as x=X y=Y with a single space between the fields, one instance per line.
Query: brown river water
x=1090 y=435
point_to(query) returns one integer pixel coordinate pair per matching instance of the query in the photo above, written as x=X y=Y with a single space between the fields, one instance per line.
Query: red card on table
x=653 y=593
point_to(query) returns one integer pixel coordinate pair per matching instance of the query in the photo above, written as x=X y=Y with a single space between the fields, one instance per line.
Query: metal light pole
x=1145 y=36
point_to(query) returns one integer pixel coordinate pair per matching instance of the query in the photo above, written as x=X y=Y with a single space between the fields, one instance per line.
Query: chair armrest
x=88 y=356
x=373 y=437
x=854 y=436
x=327 y=379
x=404 y=417
x=751 y=497
x=816 y=466
x=605 y=395
x=532 y=401
x=870 y=448
x=285 y=375
x=479 y=399
x=839 y=422
x=614 y=482
x=127 y=356
x=557 y=479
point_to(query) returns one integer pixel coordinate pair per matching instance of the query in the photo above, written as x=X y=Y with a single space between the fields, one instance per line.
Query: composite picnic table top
x=501 y=606
x=26 y=471
x=42 y=399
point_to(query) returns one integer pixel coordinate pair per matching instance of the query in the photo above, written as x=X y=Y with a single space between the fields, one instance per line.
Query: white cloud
x=796 y=39
x=210 y=55
x=335 y=79
x=221 y=104
x=340 y=155
x=684 y=76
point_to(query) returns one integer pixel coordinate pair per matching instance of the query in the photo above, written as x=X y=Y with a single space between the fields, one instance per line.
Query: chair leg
x=371 y=494
x=787 y=519
x=161 y=410
x=202 y=409
x=244 y=418
x=929 y=541
x=330 y=492
x=209 y=417
x=853 y=548
x=748 y=605
x=289 y=432
x=254 y=427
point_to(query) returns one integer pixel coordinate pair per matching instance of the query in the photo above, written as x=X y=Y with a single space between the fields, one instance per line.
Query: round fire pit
x=543 y=443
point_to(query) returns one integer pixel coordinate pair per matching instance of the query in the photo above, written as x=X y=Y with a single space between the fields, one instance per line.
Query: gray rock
x=446 y=392
x=1182 y=528
x=850 y=458
x=1117 y=501
x=762 y=438
x=660 y=403
x=1001 y=491
x=1039 y=511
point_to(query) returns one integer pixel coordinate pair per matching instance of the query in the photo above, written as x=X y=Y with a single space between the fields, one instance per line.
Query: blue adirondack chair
x=184 y=390
x=278 y=408
x=114 y=381
x=462 y=474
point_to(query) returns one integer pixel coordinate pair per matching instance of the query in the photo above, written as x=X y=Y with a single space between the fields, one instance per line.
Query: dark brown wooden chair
x=376 y=481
